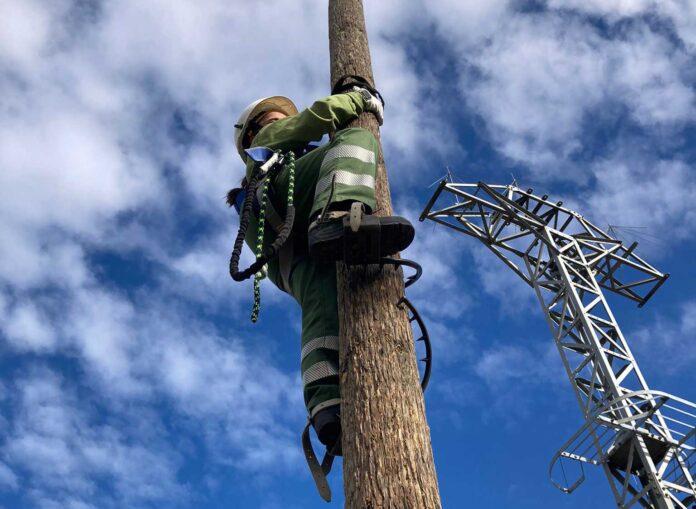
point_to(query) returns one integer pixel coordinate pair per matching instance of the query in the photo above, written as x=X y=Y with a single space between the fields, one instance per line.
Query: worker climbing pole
x=388 y=459
x=313 y=212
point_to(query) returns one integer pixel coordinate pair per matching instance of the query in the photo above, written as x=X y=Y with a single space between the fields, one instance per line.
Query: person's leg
x=340 y=171
x=347 y=171
x=314 y=287
x=347 y=164
x=347 y=183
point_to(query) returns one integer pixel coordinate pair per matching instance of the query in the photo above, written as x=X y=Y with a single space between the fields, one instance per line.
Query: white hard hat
x=274 y=103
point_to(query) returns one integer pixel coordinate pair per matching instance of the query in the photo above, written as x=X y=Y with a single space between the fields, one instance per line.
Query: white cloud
x=78 y=176
x=246 y=410
x=415 y=130
x=655 y=196
x=442 y=254
x=538 y=78
x=466 y=24
x=668 y=342
x=401 y=17
x=162 y=352
x=541 y=81
x=30 y=258
x=101 y=328
x=8 y=479
x=647 y=73
x=92 y=162
x=681 y=14
x=26 y=327
x=499 y=281
x=510 y=363
x=62 y=450
x=209 y=265
x=26 y=33
x=207 y=172
x=245 y=403
x=612 y=8
x=453 y=342
x=523 y=380
x=544 y=75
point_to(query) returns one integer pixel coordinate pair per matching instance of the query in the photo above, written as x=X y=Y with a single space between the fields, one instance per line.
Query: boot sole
x=327 y=242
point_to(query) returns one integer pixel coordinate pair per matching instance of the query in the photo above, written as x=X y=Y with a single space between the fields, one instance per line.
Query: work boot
x=327 y=424
x=358 y=238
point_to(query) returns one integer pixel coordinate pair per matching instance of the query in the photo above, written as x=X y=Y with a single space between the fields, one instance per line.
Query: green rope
x=290 y=166
x=259 y=249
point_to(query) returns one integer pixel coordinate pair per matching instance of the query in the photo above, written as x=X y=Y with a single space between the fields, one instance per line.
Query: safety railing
x=667 y=425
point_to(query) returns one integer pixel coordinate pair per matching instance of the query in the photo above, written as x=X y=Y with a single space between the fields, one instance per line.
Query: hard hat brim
x=275 y=103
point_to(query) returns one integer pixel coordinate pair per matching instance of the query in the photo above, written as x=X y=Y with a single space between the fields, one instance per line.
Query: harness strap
x=286 y=252
x=272 y=215
x=284 y=227
x=285 y=264
x=327 y=462
x=318 y=471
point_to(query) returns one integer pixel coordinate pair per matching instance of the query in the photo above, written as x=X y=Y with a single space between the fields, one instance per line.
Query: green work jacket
x=295 y=132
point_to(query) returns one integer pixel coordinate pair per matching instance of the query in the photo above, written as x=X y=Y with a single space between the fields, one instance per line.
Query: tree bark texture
x=387 y=454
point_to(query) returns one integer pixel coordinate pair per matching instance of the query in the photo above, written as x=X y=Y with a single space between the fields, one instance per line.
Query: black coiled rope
x=236 y=274
x=263 y=256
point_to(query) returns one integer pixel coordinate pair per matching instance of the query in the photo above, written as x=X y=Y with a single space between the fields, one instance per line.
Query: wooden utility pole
x=387 y=455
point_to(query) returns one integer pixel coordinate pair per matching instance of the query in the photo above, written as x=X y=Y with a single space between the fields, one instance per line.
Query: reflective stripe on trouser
x=351 y=156
x=348 y=169
x=348 y=163
x=314 y=287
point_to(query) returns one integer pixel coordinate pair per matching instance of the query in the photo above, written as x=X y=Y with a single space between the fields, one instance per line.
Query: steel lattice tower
x=644 y=440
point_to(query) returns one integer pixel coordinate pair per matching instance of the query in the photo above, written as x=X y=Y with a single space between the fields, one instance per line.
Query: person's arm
x=324 y=116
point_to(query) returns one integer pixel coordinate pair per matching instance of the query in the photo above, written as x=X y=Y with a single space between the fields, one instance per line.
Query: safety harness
x=256 y=192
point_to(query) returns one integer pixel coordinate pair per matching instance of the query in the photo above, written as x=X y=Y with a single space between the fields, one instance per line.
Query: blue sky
x=131 y=375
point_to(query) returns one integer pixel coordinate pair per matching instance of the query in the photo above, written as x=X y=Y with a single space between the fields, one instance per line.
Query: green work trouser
x=344 y=170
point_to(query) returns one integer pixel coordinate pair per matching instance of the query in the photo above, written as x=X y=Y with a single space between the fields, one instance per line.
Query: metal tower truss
x=645 y=441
